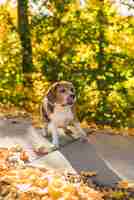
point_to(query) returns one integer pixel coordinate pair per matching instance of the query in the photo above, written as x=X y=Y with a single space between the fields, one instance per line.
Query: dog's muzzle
x=70 y=99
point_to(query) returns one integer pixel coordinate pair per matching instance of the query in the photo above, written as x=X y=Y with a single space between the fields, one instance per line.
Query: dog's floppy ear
x=51 y=94
x=51 y=98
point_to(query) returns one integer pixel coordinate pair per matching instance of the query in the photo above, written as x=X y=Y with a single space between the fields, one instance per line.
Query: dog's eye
x=72 y=89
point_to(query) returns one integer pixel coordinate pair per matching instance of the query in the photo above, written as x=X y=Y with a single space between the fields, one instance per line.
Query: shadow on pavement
x=83 y=156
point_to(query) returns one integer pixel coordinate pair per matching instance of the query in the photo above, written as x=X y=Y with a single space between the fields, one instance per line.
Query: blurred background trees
x=90 y=45
x=25 y=36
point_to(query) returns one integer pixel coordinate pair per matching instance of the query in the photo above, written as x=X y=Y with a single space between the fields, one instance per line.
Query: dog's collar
x=63 y=105
x=57 y=104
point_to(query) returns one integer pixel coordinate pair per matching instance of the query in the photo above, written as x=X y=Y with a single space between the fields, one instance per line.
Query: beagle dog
x=58 y=110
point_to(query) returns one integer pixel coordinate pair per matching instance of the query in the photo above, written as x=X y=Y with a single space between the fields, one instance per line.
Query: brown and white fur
x=58 y=110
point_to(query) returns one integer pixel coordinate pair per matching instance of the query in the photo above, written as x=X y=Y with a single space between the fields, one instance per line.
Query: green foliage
x=91 y=46
x=10 y=61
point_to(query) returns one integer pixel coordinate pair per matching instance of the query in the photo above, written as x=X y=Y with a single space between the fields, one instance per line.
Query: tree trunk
x=102 y=21
x=25 y=36
x=101 y=18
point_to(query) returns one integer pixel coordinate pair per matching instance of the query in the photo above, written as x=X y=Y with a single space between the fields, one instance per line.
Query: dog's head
x=62 y=93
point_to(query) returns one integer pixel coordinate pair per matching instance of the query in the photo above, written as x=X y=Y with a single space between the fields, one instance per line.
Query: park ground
x=107 y=154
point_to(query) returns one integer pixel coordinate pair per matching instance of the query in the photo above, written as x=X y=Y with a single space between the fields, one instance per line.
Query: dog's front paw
x=84 y=138
x=56 y=145
x=55 y=141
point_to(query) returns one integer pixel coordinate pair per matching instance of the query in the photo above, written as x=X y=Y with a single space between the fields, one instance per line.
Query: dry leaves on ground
x=32 y=182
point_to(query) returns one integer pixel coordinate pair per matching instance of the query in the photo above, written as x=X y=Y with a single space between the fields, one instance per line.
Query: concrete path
x=83 y=156
x=110 y=156
x=117 y=152
x=20 y=131
x=54 y=160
